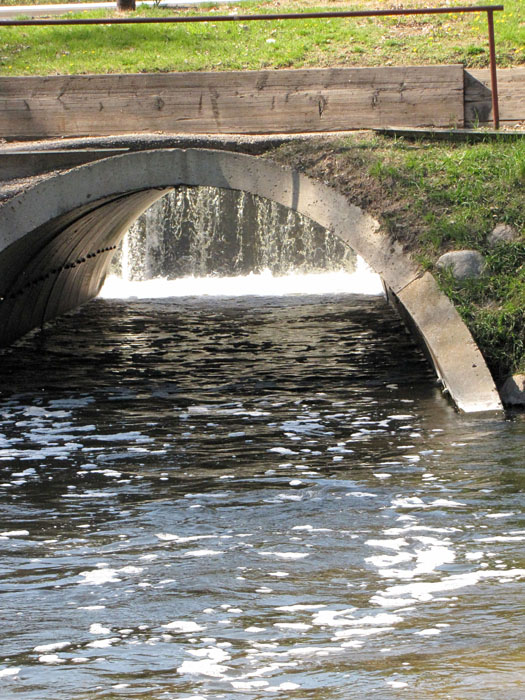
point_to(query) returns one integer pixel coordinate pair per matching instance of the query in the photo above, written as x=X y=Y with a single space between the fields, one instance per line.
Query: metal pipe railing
x=489 y=9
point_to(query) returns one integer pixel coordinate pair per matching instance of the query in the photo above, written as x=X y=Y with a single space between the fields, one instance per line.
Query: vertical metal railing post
x=493 y=71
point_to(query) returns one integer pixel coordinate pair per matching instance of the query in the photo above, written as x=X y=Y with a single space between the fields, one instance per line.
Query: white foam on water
x=103 y=643
x=382 y=561
x=282 y=451
x=134 y=436
x=362 y=281
x=409 y=502
x=361 y=494
x=430 y=632
x=98 y=577
x=97 y=628
x=205 y=667
x=386 y=602
x=131 y=569
x=360 y=632
x=331 y=618
x=53 y=646
x=213 y=654
x=433 y=555
x=424 y=591
x=311 y=528
x=285 y=555
x=168 y=537
x=204 y=553
x=51 y=659
x=184 y=626
x=13 y=671
x=388 y=544
x=397 y=684
x=28 y=472
x=419 y=528
x=90 y=494
x=444 y=503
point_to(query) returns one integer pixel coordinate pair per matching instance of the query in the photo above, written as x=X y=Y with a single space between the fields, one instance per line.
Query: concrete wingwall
x=58 y=237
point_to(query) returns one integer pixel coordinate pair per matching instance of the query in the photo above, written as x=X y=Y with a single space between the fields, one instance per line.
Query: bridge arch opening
x=203 y=232
x=57 y=240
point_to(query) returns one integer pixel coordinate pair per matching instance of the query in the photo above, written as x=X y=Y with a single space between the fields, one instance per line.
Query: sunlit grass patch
x=414 y=40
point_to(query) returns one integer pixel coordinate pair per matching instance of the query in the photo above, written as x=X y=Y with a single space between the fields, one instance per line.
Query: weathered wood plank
x=231 y=102
x=478 y=96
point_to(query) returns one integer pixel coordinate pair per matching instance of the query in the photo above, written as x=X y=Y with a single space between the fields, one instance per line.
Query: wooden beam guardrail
x=488 y=9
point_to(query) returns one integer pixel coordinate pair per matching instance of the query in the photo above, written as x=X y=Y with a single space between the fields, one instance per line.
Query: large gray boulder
x=464 y=264
x=503 y=233
x=513 y=390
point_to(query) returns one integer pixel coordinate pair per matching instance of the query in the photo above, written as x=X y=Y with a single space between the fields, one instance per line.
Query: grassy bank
x=441 y=196
x=255 y=45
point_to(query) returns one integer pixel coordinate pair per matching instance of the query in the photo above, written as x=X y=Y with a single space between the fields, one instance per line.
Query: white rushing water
x=362 y=281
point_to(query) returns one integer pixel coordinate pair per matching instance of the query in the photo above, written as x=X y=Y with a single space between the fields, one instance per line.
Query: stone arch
x=57 y=240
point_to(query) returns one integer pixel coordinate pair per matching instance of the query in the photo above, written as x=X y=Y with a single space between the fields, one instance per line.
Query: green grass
x=223 y=46
x=436 y=196
x=460 y=192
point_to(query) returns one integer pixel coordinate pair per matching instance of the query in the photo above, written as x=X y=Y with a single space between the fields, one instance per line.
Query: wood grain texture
x=478 y=96
x=250 y=102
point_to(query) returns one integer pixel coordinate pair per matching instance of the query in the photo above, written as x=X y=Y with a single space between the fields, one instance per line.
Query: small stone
x=503 y=233
x=464 y=264
x=513 y=390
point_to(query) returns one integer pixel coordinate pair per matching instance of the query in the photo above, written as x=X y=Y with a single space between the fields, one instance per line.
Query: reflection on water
x=252 y=497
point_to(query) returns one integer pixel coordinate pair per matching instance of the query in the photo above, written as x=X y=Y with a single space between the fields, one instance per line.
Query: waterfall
x=205 y=231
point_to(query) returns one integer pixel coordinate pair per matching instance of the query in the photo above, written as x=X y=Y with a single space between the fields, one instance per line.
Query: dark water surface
x=252 y=498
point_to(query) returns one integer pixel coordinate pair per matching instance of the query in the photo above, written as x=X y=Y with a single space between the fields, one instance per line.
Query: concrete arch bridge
x=57 y=238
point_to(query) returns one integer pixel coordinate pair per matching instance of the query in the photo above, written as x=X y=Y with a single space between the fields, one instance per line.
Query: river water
x=252 y=496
